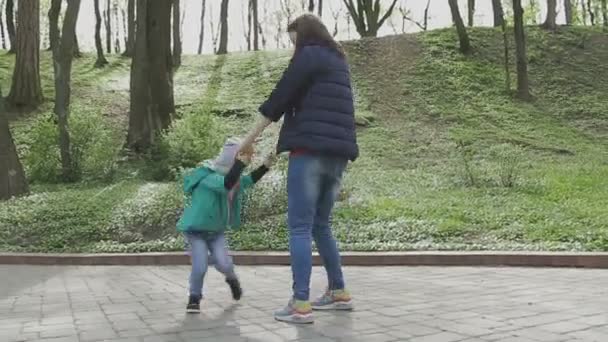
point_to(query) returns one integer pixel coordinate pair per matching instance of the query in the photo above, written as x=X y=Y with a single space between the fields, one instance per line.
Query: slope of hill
x=449 y=159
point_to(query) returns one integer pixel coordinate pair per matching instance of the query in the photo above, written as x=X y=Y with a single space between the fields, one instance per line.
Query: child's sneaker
x=296 y=311
x=334 y=300
x=235 y=288
x=194 y=305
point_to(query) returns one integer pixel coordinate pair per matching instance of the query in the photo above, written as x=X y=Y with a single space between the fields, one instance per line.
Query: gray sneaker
x=297 y=312
x=334 y=300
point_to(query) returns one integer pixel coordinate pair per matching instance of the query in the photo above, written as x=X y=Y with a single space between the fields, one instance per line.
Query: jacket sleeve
x=297 y=75
x=251 y=179
x=222 y=184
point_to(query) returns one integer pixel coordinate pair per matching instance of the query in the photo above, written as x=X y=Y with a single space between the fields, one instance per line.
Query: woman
x=314 y=95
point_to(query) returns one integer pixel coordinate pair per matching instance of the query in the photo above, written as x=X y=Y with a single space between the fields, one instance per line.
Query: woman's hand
x=255 y=132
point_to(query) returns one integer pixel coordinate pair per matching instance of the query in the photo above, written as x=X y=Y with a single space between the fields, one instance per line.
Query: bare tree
x=261 y=23
x=223 y=47
x=279 y=32
x=320 y=8
x=336 y=15
x=117 y=28
x=550 y=22
x=201 y=35
x=523 y=85
x=101 y=59
x=366 y=15
x=152 y=101
x=568 y=11
x=498 y=13
x=605 y=13
x=311 y=6
x=130 y=45
x=63 y=54
x=215 y=33
x=591 y=12
x=54 y=23
x=287 y=10
x=256 y=24
x=406 y=16
x=177 y=41
x=249 y=25
x=463 y=36
x=12 y=177
x=26 y=91
x=505 y=41
x=108 y=20
x=2 y=25
x=10 y=25
x=471 y=12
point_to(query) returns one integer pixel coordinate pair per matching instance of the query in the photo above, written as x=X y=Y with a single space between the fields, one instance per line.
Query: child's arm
x=258 y=173
x=219 y=183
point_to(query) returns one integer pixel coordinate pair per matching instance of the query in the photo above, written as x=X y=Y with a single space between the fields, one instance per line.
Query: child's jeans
x=201 y=246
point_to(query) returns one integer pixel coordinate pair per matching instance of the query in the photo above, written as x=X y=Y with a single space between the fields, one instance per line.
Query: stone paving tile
x=460 y=304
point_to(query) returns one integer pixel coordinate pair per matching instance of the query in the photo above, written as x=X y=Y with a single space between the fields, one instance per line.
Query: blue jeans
x=201 y=246
x=313 y=185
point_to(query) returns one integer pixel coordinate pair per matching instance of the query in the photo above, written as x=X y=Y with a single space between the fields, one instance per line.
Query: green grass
x=449 y=160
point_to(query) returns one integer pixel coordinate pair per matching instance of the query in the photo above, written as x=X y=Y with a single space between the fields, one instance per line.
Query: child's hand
x=270 y=160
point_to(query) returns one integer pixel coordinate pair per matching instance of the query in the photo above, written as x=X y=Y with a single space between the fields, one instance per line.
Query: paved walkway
x=146 y=304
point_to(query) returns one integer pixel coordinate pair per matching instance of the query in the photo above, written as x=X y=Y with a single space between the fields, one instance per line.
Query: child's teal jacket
x=206 y=209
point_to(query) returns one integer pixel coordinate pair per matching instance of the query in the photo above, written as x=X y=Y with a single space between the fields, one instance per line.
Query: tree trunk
x=223 y=47
x=10 y=25
x=2 y=25
x=108 y=19
x=550 y=21
x=130 y=45
x=77 y=53
x=249 y=30
x=201 y=36
x=498 y=13
x=505 y=42
x=116 y=28
x=523 y=86
x=605 y=13
x=320 y=8
x=152 y=102
x=54 y=23
x=568 y=11
x=26 y=91
x=463 y=37
x=591 y=13
x=366 y=15
x=256 y=25
x=311 y=6
x=101 y=59
x=177 y=41
x=471 y=12
x=63 y=54
x=12 y=177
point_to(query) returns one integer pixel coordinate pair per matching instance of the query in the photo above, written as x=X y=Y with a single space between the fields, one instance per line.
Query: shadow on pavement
x=17 y=279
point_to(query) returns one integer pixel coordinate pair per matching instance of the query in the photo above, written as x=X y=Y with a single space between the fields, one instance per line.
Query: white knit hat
x=224 y=161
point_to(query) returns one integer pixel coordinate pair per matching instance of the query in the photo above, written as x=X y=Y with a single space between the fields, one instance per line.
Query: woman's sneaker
x=297 y=312
x=235 y=288
x=334 y=300
x=194 y=305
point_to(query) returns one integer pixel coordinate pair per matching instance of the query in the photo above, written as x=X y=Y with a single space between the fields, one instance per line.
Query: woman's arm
x=298 y=73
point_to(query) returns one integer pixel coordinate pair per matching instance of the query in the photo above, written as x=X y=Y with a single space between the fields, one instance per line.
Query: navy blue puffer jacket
x=316 y=98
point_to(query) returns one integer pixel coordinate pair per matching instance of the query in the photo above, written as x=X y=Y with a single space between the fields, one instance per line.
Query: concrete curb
x=517 y=259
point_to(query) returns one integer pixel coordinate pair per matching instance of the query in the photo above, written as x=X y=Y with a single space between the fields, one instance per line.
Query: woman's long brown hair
x=311 y=30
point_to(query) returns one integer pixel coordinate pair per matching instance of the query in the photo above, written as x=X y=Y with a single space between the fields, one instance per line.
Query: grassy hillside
x=449 y=160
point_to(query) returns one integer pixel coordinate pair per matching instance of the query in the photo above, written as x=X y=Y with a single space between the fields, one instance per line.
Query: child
x=216 y=190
